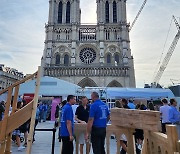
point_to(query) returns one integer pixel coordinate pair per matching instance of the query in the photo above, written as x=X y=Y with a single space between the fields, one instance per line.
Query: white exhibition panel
x=50 y=86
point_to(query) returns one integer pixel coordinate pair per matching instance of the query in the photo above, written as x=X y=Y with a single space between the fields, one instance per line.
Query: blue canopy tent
x=140 y=93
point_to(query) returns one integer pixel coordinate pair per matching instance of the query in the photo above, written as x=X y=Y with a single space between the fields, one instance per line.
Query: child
x=17 y=132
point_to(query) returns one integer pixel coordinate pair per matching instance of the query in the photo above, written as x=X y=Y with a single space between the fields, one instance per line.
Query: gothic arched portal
x=87 y=82
x=114 y=83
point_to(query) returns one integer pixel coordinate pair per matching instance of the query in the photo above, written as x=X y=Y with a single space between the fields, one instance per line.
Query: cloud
x=148 y=37
x=22 y=34
x=5 y=56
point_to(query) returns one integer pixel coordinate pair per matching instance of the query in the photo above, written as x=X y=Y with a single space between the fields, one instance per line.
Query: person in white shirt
x=74 y=107
x=164 y=111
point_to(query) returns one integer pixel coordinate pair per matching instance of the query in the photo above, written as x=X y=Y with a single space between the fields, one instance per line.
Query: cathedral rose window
x=87 y=55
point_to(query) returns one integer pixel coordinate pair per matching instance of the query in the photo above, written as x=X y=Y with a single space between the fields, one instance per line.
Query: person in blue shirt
x=44 y=109
x=131 y=104
x=97 y=122
x=67 y=126
x=40 y=111
x=174 y=115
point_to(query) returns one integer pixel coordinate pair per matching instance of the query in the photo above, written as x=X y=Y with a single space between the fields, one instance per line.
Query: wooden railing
x=159 y=143
x=126 y=121
x=12 y=121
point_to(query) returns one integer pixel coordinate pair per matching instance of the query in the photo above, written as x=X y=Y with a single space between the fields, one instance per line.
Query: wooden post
x=178 y=144
x=14 y=105
x=130 y=143
x=172 y=137
x=30 y=136
x=4 y=122
x=8 y=145
x=145 y=144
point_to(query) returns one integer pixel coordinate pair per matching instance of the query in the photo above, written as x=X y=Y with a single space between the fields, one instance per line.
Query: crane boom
x=176 y=22
x=168 y=55
x=137 y=16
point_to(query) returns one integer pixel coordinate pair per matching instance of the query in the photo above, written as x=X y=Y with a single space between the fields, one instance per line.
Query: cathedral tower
x=89 y=55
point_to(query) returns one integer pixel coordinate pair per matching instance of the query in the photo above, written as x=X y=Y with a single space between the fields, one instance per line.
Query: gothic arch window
x=67 y=35
x=87 y=55
x=114 y=83
x=57 y=62
x=66 y=59
x=60 y=9
x=117 y=58
x=115 y=35
x=68 y=12
x=107 y=11
x=107 y=34
x=108 y=58
x=87 y=82
x=114 y=12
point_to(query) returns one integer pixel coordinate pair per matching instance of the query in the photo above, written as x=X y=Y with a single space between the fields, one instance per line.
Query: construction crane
x=137 y=16
x=168 y=55
x=174 y=81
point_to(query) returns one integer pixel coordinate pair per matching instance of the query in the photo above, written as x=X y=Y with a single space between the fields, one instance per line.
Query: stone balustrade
x=85 y=33
x=86 y=71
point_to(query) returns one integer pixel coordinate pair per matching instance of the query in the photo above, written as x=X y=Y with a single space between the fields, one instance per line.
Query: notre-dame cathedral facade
x=86 y=54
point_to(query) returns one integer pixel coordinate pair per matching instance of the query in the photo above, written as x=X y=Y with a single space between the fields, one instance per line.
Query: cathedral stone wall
x=89 y=55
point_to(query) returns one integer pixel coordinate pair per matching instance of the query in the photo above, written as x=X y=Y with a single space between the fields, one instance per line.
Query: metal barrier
x=53 y=138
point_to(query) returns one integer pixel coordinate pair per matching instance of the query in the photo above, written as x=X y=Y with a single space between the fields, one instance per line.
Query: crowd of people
x=20 y=134
x=95 y=115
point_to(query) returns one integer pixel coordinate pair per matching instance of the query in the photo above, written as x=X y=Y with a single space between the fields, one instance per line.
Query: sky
x=22 y=35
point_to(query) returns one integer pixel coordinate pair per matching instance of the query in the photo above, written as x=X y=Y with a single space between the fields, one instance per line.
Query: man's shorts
x=82 y=139
x=16 y=133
